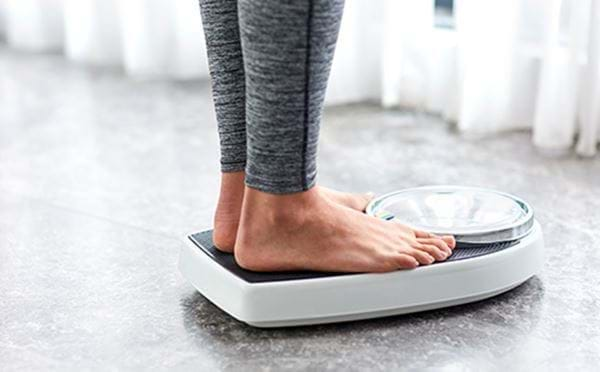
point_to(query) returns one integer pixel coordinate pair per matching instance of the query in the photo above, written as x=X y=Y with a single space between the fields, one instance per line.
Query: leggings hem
x=278 y=188
x=233 y=167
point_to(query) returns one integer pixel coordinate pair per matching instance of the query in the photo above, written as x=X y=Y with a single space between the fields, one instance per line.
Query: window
x=444 y=13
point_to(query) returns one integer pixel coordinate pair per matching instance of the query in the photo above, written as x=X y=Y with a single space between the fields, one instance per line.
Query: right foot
x=229 y=206
x=309 y=231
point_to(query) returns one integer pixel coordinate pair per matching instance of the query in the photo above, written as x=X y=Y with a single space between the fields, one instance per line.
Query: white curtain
x=34 y=25
x=149 y=38
x=2 y=21
x=506 y=64
x=357 y=66
x=163 y=37
x=92 y=31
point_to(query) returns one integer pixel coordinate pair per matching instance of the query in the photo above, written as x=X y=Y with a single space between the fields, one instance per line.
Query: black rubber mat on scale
x=203 y=240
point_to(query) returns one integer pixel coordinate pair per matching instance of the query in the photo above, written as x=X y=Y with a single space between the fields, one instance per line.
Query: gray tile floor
x=101 y=176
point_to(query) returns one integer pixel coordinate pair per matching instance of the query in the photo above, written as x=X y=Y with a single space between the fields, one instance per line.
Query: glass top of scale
x=472 y=215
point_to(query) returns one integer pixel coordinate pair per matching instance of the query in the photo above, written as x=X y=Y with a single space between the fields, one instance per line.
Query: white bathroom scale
x=499 y=246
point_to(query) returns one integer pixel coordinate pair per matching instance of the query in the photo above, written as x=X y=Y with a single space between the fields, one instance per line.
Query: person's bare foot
x=355 y=201
x=229 y=206
x=227 y=214
x=309 y=231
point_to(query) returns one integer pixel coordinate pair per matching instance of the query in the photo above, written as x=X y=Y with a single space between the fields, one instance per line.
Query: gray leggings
x=269 y=62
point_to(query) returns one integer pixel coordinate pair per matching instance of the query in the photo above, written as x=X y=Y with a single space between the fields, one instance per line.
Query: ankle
x=273 y=209
x=232 y=185
x=269 y=219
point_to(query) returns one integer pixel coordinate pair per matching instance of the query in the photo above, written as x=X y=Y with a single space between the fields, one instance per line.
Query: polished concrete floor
x=100 y=178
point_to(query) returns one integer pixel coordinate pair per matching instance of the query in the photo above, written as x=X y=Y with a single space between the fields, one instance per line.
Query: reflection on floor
x=100 y=177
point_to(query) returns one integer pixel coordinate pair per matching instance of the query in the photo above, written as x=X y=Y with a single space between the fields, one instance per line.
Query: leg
x=286 y=223
x=221 y=28
x=288 y=49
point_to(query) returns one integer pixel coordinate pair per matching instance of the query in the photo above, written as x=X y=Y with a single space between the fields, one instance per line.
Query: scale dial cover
x=472 y=215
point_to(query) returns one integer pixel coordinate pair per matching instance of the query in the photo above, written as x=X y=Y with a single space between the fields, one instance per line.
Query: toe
x=405 y=261
x=438 y=243
x=448 y=239
x=424 y=258
x=423 y=234
x=435 y=251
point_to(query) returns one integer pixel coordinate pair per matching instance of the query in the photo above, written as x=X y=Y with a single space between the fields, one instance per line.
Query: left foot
x=227 y=214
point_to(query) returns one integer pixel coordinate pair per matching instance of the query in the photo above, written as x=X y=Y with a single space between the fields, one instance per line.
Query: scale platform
x=485 y=263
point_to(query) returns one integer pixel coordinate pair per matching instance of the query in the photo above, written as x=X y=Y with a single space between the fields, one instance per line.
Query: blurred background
x=109 y=158
x=488 y=66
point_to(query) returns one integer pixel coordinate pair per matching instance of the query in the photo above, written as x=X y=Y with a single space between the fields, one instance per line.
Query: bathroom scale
x=499 y=246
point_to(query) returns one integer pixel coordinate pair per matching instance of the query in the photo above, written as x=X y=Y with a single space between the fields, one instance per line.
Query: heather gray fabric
x=221 y=30
x=286 y=52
